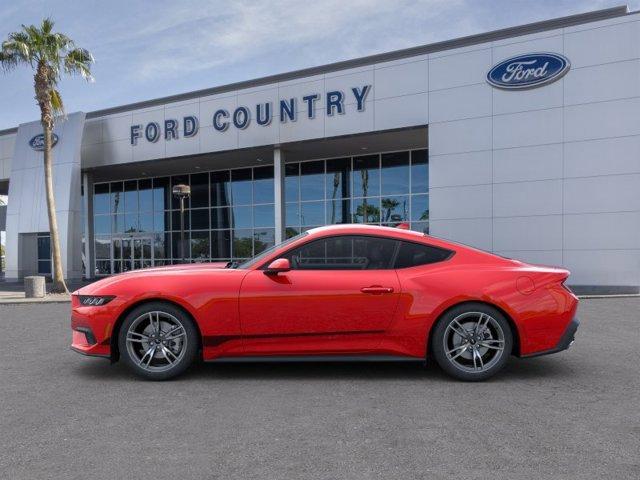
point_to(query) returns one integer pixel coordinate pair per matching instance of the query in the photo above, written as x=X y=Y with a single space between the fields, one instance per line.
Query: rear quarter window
x=414 y=254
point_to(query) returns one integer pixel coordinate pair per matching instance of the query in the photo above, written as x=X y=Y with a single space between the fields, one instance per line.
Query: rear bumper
x=566 y=340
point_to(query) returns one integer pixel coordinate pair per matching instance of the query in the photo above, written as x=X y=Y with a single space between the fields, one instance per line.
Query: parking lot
x=572 y=415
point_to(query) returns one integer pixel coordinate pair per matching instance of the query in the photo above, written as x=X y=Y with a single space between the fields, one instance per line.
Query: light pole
x=181 y=192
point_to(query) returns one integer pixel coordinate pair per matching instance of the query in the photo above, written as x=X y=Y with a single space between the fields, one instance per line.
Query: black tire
x=174 y=348
x=451 y=349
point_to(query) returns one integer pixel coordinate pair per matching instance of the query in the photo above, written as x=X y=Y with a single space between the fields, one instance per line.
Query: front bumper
x=566 y=340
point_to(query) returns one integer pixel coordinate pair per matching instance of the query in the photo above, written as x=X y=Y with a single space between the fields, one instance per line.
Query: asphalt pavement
x=574 y=415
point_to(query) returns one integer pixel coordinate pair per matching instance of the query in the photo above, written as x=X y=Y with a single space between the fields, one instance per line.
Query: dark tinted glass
x=44 y=248
x=220 y=218
x=200 y=190
x=117 y=197
x=220 y=191
x=200 y=219
x=221 y=244
x=344 y=253
x=395 y=173
x=200 y=245
x=413 y=254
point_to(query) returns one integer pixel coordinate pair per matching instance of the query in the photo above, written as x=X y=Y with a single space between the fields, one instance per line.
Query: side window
x=344 y=253
x=413 y=254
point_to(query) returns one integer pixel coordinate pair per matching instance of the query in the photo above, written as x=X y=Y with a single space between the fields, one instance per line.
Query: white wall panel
x=402 y=79
x=459 y=103
x=540 y=162
x=460 y=202
x=398 y=112
x=605 y=231
x=601 y=120
x=527 y=198
x=599 y=83
x=603 y=45
x=528 y=128
x=459 y=69
x=471 y=168
x=460 y=136
x=602 y=157
x=611 y=193
x=605 y=267
x=528 y=233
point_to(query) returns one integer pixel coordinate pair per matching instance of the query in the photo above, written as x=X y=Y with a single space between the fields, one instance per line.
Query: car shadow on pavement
x=101 y=370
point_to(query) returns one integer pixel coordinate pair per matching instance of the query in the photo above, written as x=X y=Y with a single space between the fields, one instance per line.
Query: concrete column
x=87 y=186
x=278 y=190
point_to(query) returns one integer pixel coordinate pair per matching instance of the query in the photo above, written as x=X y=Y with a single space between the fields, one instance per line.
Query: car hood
x=188 y=268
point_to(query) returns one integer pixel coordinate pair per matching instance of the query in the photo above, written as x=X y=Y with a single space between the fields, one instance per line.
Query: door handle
x=376 y=290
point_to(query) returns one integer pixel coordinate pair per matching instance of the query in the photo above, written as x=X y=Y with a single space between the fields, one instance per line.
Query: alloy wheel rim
x=156 y=341
x=474 y=342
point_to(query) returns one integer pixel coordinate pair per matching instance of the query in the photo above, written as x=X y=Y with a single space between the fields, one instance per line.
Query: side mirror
x=278 y=266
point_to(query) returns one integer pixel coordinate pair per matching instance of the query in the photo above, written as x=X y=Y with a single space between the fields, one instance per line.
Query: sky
x=147 y=49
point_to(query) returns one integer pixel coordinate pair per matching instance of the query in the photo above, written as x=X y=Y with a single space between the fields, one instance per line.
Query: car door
x=339 y=296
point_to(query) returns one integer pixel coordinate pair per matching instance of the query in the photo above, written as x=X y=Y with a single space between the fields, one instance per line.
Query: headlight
x=95 y=301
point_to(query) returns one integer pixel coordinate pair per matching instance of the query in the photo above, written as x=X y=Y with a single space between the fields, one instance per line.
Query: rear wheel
x=158 y=341
x=472 y=342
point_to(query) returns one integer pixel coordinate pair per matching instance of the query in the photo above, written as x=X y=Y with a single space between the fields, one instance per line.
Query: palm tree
x=49 y=54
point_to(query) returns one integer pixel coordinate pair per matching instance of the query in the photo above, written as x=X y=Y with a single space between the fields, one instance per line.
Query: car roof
x=360 y=229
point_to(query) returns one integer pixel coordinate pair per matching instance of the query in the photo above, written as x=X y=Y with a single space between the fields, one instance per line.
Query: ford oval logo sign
x=37 y=142
x=528 y=71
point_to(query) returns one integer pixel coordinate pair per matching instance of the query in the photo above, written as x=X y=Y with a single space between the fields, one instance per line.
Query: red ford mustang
x=339 y=292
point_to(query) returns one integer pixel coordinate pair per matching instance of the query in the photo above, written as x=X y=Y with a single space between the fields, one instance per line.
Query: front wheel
x=472 y=342
x=158 y=341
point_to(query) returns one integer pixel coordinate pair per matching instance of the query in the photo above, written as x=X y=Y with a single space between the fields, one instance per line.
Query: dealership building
x=524 y=142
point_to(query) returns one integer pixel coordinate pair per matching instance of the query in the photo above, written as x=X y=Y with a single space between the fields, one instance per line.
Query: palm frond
x=56 y=102
x=78 y=61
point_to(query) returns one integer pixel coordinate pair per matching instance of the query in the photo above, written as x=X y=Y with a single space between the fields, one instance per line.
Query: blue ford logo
x=37 y=142
x=528 y=71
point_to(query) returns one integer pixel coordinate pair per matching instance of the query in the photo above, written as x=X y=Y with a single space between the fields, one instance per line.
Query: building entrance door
x=132 y=253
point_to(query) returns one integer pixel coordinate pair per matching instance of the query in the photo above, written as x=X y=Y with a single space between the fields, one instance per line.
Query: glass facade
x=379 y=189
x=230 y=214
x=137 y=223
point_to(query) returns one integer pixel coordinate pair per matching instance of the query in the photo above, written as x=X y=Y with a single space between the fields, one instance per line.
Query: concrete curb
x=14 y=300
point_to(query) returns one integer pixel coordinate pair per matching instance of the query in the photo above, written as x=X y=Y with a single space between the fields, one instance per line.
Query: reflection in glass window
x=263 y=185
x=292 y=182
x=241 y=190
x=419 y=171
x=395 y=173
x=101 y=224
x=131 y=196
x=102 y=245
x=200 y=219
x=311 y=213
x=221 y=244
x=145 y=195
x=101 y=198
x=366 y=176
x=179 y=180
x=220 y=218
x=130 y=222
x=337 y=211
x=419 y=208
x=242 y=243
x=338 y=178
x=220 y=189
x=176 y=220
x=311 y=180
x=161 y=194
x=263 y=216
x=263 y=239
x=117 y=192
x=200 y=190
x=394 y=209
x=292 y=214
x=366 y=210
x=242 y=217
x=200 y=245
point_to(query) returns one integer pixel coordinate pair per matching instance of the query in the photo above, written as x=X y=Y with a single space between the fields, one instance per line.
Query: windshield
x=258 y=258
